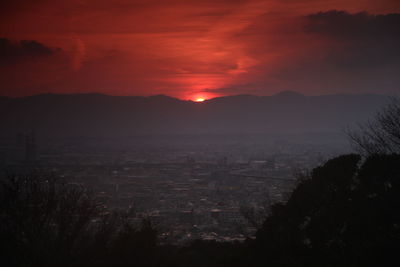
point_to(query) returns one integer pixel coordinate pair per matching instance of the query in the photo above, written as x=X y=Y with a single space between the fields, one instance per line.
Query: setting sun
x=200 y=99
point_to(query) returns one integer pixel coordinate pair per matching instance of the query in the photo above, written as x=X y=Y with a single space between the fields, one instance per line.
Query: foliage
x=343 y=215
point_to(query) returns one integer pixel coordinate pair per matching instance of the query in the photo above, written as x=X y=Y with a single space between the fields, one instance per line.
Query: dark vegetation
x=344 y=213
x=45 y=222
x=381 y=134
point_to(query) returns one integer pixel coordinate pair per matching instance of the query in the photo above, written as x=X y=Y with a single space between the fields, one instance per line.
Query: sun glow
x=200 y=96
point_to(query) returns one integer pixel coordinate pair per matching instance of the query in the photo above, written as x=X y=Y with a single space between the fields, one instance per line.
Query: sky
x=199 y=48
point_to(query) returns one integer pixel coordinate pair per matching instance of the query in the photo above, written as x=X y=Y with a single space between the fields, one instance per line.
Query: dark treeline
x=45 y=222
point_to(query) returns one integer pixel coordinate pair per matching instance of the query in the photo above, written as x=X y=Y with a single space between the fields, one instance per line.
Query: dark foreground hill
x=102 y=115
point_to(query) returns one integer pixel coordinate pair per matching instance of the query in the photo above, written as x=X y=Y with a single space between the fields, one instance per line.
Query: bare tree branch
x=381 y=135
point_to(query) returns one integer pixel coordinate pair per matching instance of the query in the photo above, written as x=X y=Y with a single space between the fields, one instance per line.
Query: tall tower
x=30 y=147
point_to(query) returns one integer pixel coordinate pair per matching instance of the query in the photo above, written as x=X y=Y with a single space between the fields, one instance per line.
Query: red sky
x=199 y=48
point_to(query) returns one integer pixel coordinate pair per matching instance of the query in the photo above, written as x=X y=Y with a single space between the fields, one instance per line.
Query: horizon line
x=191 y=100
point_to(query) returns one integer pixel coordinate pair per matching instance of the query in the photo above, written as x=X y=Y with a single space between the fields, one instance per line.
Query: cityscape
x=215 y=188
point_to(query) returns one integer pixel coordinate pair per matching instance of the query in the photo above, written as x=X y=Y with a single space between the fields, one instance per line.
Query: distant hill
x=103 y=115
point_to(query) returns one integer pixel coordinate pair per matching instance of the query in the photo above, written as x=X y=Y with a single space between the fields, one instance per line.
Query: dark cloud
x=359 y=26
x=325 y=52
x=24 y=50
x=364 y=40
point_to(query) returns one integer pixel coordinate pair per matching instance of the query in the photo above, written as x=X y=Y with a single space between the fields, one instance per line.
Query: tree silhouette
x=46 y=222
x=343 y=215
x=43 y=220
x=380 y=135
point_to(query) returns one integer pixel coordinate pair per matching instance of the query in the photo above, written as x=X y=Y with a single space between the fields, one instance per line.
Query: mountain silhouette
x=104 y=115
